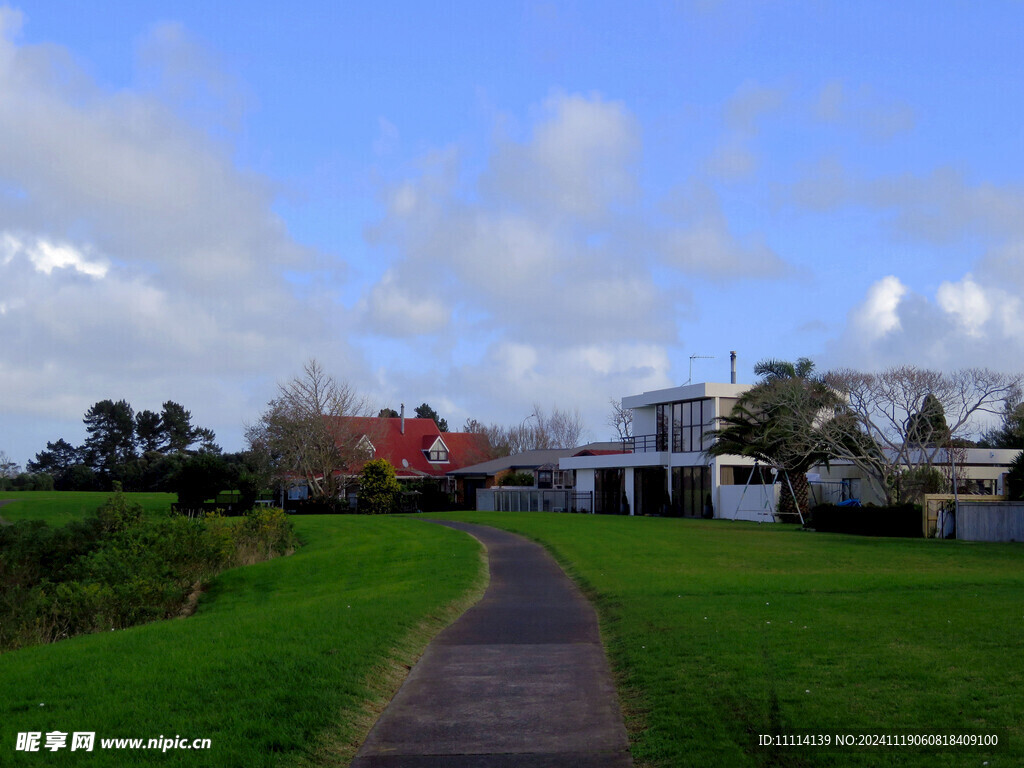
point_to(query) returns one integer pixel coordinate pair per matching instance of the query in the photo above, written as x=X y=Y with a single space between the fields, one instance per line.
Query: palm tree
x=776 y=423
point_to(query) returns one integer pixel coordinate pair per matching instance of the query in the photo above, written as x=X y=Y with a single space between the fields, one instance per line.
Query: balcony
x=643 y=444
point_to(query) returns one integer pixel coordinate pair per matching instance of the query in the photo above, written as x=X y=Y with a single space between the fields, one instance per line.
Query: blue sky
x=490 y=205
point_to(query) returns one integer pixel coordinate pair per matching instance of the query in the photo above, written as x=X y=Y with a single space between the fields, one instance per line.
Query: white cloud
x=540 y=266
x=968 y=302
x=136 y=259
x=47 y=256
x=879 y=315
x=396 y=311
x=700 y=241
x=967 y=323
x=578 y=162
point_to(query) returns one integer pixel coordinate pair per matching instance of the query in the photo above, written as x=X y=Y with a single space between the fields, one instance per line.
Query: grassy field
x=282 y=664
x=721 y=632
x=60 y=507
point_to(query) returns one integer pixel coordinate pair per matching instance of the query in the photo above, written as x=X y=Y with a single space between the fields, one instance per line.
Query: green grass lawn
x=722 y=631
x=284 y=663
x=60 y=507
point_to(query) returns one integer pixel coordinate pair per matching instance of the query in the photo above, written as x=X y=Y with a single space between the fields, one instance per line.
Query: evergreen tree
x=424 y=411
x=111 y=434
x=928 y=426
x=148 y=431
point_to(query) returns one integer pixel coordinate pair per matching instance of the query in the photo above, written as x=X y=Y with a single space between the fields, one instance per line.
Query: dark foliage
x=902 y=521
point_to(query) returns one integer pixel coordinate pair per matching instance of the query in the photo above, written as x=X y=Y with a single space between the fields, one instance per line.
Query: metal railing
x=643 y=444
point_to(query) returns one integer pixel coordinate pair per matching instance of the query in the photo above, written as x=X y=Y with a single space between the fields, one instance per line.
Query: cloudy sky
x=489 y=205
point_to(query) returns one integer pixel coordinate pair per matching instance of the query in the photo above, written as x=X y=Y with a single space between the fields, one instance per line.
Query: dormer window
x=438 y=452
x=365 y=448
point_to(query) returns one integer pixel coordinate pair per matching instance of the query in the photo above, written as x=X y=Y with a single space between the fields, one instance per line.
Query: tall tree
x=927 y=427
x=424 y=411
x=308 y=432
x=387 y=413
x=57 y=461
x=776 y=423
x=149 y=431
x=111 y=434
x=180 y=435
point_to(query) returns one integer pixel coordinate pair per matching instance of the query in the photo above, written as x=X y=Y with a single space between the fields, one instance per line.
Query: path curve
x=519 y=680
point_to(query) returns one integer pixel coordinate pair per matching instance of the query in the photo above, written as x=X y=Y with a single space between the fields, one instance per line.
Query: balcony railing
x=642 y=444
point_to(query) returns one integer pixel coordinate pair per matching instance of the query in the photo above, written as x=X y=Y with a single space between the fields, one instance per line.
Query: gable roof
x=406 y=451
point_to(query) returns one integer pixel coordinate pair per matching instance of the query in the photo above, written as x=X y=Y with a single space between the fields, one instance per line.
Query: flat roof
x=684 y=392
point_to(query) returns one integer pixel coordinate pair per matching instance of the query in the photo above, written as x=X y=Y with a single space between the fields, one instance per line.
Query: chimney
x=403 y=417
x=732 y=366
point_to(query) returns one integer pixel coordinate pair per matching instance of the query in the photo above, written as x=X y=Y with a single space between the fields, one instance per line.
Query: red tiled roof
x=405 y=451
x=599 y=452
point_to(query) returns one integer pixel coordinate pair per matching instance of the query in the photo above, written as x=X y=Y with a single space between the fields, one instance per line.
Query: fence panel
x=980 y=521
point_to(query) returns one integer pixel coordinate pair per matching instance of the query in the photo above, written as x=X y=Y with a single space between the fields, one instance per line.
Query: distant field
x=60 y=507
x=723 y=631
x=283 y=664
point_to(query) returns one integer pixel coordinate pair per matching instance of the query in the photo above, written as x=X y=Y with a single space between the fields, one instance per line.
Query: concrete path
x=520 y=680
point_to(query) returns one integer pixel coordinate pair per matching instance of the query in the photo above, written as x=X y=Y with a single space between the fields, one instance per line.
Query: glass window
x=677 y=427
x=662 y=434
x=691 y=491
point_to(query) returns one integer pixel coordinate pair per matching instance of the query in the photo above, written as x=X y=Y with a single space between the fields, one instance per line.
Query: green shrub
x=115 y=569
x=378 y=487
x=517 y=478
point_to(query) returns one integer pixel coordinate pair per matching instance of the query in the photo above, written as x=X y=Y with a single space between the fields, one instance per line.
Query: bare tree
x=557 y=429
x=308 y=431
x=540 y=430
x=9 y=469
x=620 y=419
x=877 y=427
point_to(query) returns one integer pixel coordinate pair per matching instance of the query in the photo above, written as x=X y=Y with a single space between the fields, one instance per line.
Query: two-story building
x=665 y=471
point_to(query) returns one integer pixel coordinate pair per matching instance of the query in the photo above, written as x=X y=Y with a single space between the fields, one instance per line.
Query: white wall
x=758 y=503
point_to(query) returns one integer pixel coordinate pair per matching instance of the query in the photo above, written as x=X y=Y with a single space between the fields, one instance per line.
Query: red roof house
x=416 y=448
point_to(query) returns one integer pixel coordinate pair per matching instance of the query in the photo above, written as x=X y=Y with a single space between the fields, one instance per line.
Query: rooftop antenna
x=697 y=357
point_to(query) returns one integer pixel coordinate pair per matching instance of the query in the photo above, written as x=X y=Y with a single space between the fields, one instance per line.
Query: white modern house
x=665 y=471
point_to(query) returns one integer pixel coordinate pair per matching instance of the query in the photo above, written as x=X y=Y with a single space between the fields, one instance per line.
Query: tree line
x=143 y=451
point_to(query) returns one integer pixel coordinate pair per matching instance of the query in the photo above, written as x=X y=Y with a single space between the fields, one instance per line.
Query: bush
x=378 y=487
x=903 y=520
x=517 y=478
x=115 y=569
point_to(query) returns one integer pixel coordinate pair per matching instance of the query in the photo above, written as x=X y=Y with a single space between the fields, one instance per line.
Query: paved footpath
x=519 y=681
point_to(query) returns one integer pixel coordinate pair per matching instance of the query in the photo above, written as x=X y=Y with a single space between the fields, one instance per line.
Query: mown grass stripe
x=277 y=665
x=721 y=631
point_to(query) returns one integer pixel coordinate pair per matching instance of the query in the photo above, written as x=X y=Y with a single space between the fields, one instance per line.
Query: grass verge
x=721 y=632
x=283 y=663
x=61 y=507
